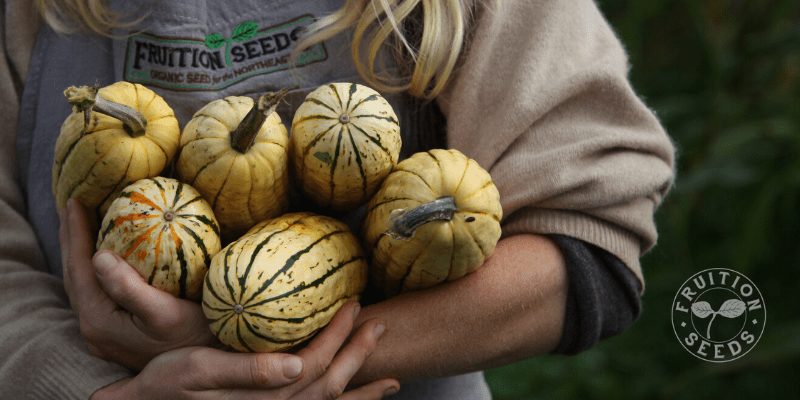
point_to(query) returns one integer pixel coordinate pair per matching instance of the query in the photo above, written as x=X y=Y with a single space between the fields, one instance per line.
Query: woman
x=535 y=91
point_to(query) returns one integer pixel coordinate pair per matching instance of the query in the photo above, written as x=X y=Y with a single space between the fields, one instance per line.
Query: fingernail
x=378 y=330
x=292 y=367
x=104 y=261
x=356 y=310
x=391 y=391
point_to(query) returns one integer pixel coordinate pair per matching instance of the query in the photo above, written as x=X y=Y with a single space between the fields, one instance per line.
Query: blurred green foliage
x=724 y=78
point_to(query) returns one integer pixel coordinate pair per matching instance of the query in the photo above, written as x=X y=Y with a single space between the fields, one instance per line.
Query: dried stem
x=243 y=137
x=405 y=222
x=86 y=99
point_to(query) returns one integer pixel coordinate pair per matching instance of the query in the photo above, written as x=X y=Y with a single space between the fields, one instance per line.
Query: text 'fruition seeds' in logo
x=220 y=59
x=718 y=315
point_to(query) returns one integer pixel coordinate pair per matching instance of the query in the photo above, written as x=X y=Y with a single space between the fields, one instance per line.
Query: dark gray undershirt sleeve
x=602 y=296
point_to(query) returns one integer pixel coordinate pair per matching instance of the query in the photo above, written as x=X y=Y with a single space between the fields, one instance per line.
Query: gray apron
x=192 y=52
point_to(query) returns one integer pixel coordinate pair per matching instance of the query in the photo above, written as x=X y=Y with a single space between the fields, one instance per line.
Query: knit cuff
x=71 y=373
x=617 y=241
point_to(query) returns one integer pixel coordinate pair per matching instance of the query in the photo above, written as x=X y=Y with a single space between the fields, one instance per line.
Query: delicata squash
x=234 y=151
x=115 y=136
x=436 y=218
x=166 y=231
x=345 y=140
x=282 y=282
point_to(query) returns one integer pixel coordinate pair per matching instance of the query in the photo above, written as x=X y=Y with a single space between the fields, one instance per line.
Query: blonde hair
x=437 y=37
x=424 y=36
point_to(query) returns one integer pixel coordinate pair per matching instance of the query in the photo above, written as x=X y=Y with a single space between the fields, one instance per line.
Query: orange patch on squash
x=137 y=197
x=136 y=243
x=158 y=248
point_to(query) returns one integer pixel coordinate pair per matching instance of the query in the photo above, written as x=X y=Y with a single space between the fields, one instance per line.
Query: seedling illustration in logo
x=726 y=332
x=242 y=32
x=731 y=308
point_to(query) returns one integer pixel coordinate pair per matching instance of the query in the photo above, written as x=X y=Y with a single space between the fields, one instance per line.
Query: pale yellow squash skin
x=286 y=277
x=340 y=162
x=94 y=164
x=242 y=188
x=439 y=250
x=166 y=231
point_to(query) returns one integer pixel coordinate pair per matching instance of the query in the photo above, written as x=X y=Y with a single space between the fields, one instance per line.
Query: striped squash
x=282 y=282
x=345 y=140
x=164 y=229
x=435 y=218
x=115 y=136
x=234 y=151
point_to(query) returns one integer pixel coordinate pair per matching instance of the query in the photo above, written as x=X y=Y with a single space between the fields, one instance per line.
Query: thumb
x=220 y=369
x=128 y=289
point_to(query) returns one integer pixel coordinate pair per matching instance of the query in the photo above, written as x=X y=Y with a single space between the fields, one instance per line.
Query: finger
x=375 y=390
x=84 y=286
x=81 y=243
x=217 y=369
x=320 y=352
x=352 y=357
x=130 y=291
x=238 y=394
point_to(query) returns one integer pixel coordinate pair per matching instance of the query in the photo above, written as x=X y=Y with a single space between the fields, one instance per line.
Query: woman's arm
x=542 y=101
x=510 y=309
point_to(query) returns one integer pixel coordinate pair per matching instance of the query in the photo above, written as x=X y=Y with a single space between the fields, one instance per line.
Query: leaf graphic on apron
x=240 y=33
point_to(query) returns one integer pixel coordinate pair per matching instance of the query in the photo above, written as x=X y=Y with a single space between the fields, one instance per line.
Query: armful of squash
x=432 y=218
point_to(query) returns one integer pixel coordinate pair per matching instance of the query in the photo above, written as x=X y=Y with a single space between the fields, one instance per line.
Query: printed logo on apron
x=220 y=59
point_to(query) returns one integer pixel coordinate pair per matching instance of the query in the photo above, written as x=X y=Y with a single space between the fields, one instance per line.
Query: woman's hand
x=319 y=371
x=122 y=318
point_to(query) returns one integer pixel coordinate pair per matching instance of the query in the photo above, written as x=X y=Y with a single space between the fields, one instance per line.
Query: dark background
x=724 y=78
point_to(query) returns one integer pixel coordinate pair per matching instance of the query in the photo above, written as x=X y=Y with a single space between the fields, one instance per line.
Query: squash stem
x=86 y=100
x=243 y=137
x=403 y=223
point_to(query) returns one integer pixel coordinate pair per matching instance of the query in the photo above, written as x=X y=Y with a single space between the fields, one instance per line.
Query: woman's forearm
x=510 y=309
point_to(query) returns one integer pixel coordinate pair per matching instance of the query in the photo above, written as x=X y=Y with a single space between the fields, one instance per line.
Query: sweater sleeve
x=543 y=102
x=43 y=354
x=602 y=295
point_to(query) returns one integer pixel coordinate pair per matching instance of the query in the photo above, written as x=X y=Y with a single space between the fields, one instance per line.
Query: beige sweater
x=542 y=101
